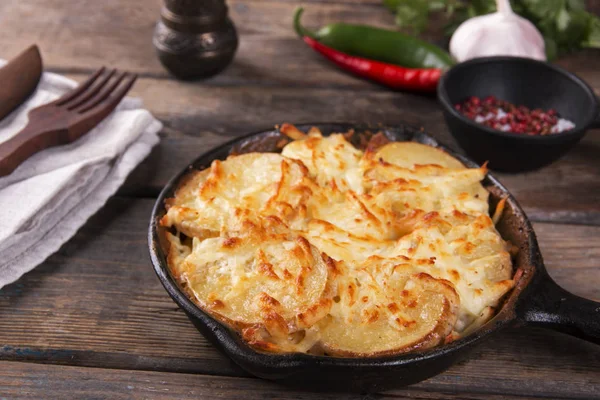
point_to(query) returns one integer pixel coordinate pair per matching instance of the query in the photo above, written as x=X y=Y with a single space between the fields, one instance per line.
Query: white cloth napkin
x=52 y=194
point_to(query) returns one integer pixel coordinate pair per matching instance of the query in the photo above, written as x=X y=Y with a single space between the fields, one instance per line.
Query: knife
x=18 y=79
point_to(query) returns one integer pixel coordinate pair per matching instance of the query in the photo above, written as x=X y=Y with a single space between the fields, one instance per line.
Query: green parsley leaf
x=576 y=5
x=551 y=48
x=410 y=14
x=593 y=39
x=437 y=5
x=543 y=9
x=564 y=24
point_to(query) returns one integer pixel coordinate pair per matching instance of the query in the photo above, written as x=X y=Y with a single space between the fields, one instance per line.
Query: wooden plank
x=565 y=192
x=286 y=83
x=97 y=303
x=218 y=114
x=119 y=32
x=26 y=381
x=533 y=363
x=568 y=191
x=100 y=294
x=80 y=307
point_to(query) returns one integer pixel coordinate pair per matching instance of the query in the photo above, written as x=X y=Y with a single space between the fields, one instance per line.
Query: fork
x=67 y=118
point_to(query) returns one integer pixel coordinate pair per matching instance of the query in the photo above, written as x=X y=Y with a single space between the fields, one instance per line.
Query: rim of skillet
x=233 y=344
x=444 y=98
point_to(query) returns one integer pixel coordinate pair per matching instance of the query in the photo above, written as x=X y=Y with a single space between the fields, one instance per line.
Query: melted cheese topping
x=325 y=248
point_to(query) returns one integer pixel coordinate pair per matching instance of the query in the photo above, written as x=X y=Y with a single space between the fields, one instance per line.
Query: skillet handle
x=548 y=305
x=596 y=121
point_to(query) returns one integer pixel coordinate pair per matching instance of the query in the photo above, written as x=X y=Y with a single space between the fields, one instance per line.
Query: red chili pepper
x=394 y=76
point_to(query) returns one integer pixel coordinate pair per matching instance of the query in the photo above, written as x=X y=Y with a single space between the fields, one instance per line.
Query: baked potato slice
x=395 y=312
x=274 y=281
x=409 y=154
x=332 y=161
x=237 y=190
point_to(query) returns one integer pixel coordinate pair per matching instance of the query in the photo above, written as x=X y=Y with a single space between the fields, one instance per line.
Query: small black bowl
x=521 y=81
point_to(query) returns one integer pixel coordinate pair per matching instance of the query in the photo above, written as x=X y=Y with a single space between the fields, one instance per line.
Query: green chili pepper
x=377 y=44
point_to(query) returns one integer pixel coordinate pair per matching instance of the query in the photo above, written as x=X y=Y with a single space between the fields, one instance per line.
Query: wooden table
x=94 y=322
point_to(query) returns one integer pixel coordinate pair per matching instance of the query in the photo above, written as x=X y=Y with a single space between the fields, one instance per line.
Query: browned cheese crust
x=329 y=249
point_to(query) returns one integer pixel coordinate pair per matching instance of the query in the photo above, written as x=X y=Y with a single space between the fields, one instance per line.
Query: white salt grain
x=562 y=125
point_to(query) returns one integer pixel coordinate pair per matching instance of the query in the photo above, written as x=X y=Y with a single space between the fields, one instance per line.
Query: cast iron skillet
x=536 y=299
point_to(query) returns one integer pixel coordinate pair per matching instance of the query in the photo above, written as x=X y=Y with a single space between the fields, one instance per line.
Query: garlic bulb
x=502 y=33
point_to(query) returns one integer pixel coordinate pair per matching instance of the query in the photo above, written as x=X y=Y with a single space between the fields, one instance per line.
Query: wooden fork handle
x=26 y=143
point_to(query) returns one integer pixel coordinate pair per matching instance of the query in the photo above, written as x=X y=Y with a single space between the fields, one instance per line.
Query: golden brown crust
x=292 y=132
x=327 y=248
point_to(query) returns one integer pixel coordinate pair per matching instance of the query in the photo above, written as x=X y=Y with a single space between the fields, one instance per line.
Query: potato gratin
x=327 y=249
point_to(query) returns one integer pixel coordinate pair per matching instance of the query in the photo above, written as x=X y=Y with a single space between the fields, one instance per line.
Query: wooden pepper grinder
x=195 y=38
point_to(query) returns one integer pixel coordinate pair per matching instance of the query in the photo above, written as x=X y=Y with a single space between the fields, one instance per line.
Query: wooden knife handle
x=20 y=77
x=25 y=144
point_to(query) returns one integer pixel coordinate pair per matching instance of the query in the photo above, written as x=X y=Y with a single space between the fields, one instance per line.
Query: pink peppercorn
x=505 y=116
